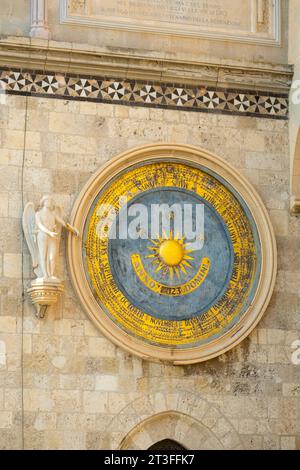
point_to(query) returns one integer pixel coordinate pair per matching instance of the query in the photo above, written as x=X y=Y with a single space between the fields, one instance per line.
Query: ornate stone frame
x=187 y=154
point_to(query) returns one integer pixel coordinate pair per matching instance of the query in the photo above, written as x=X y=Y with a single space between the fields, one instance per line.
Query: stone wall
x=15 y=17
x=63 y=385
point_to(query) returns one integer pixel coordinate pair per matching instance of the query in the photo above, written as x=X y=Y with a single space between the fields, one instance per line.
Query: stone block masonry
x=79 y=390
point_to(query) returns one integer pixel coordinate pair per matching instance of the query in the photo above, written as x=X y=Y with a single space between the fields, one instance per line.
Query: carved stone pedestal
x=43 y=294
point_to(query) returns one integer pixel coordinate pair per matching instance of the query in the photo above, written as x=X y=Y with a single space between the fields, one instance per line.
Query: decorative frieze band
x=144 y=93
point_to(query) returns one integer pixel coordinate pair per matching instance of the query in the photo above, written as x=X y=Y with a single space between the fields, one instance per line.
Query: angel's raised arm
x=67 y=226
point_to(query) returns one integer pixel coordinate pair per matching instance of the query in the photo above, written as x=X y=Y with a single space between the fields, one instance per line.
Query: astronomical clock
x=177 y=258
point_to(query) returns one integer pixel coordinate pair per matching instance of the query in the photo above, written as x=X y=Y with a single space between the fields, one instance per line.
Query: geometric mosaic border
x=149 y=94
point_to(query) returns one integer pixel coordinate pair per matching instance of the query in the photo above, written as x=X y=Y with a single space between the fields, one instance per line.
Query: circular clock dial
x=177 y=256
x=157 y=284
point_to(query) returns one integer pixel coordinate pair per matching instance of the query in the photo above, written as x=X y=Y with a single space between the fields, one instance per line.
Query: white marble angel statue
x=42 y=231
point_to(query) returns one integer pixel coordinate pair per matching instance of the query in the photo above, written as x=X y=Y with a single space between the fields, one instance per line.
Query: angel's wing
x=28 y=229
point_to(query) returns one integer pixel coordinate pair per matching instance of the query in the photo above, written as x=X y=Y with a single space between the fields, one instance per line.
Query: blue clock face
x=157 y=280
x=217 y=247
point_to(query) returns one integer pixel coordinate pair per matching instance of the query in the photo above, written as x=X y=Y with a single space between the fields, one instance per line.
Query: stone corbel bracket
x=295 y=205
x=43 y=295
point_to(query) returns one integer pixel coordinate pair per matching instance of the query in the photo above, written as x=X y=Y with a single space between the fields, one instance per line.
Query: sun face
x=170 y=256
x=171 y=252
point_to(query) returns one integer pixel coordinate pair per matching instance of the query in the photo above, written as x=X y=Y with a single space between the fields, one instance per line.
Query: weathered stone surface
x=76 y=383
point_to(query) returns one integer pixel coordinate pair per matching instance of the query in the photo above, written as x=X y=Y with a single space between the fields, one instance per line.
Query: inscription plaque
x=249 y=20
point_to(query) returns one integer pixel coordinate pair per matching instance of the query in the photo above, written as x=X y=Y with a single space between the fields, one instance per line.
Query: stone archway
x=178 y=427
x=183 y=417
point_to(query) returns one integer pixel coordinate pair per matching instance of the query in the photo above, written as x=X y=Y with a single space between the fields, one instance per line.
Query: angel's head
x=48 y=202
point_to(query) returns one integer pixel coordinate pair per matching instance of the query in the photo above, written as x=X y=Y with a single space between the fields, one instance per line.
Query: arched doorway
x=183 y=417
x=171 y=429
x=167 y=444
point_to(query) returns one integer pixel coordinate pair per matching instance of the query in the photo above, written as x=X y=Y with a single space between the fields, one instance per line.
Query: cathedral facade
x=109 y=112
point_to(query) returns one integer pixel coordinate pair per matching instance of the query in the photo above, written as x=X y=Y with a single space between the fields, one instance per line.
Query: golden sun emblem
x=170 y=255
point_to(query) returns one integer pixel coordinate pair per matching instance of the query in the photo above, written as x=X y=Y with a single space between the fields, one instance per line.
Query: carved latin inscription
x=249 y=20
